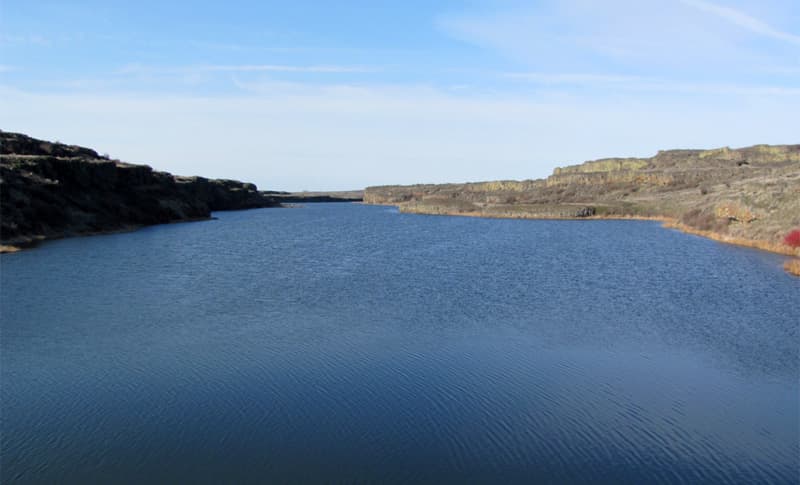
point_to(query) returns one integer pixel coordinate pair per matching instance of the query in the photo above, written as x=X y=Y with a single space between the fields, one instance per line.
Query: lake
x=351 y=343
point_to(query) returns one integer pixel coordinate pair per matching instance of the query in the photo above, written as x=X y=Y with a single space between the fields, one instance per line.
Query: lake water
x=349 y=343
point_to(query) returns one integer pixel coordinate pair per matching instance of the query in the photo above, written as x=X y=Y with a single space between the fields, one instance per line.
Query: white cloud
x=17 y=40
x=603 y=83
x=142 y=69
x=283 y=68
x=743 y=20
x=625 y=37
x=572 y=78
x=295 y=136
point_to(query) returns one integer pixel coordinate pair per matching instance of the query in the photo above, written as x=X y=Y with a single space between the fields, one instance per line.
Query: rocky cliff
x=51 y=190
x=747 y=195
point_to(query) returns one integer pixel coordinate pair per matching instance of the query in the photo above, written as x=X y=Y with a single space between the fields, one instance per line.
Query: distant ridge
x=748 y=196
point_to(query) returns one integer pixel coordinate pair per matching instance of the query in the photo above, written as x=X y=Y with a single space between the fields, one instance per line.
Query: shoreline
x=35 y=241
x=792 y=266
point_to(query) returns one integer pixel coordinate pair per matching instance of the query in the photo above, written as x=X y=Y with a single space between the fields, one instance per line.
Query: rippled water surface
x=353 y=343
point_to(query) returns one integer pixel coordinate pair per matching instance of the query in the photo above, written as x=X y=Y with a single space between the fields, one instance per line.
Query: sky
x=317 y=95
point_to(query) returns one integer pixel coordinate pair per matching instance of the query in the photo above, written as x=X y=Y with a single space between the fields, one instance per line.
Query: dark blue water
x=351 y=343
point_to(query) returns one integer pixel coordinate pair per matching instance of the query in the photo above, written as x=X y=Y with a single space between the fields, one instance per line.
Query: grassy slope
x=747 y=196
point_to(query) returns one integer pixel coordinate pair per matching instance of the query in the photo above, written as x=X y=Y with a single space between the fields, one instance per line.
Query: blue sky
x=335 y=95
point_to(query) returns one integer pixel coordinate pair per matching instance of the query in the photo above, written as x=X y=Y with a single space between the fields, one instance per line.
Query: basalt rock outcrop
x=747 y=195
x=315 y=197
x=51 y=190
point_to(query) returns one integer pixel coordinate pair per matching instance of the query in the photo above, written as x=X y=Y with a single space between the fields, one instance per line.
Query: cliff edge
x=51 y=190
x=748 y=196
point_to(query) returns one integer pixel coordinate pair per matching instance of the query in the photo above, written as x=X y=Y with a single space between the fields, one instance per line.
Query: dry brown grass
x=670 y=223
x=753 y=204
x=704 y=220
x=792 y=266
x=771 y=246
x=444 y=211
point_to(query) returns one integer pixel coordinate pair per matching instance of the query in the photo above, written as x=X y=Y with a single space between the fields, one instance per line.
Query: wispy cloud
x=783 y=70
x=695 y=38
x=718 y=89
x=741 y=19
x=322 y=68
x=501 y=90
x=619 y=82
x=372 y=134
x=35 y=40
x=239 y=47
x=572 y=78
x=284 y=68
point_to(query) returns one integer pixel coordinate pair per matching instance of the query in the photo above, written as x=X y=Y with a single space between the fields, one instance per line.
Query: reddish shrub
x=793 y=239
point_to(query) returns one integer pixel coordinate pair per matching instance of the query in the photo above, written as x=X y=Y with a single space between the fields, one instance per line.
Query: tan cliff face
x=654 y=178
x=750 y=193
x=604 y=165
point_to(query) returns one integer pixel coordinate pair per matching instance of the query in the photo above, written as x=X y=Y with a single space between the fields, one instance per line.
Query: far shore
x=792 y=266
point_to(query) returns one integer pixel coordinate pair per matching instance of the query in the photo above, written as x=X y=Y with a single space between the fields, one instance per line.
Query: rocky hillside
x=742 y=195
x=51 y=190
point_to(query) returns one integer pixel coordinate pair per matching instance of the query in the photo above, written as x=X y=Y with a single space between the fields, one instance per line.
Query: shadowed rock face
x=751 y=193
x=50 y=190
